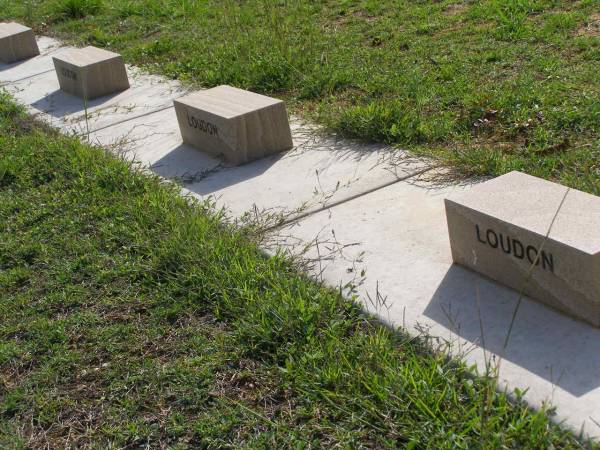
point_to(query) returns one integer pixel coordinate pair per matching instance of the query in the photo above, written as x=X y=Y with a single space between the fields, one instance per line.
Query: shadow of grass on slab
x=133 y=317
x=485 y=85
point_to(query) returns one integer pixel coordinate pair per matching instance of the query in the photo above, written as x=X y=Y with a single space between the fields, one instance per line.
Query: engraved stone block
x=499 y=228
x=91 y=72
x=239 y=125
x=17 y=42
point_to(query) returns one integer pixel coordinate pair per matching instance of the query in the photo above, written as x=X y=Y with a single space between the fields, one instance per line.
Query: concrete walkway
x=370 y=218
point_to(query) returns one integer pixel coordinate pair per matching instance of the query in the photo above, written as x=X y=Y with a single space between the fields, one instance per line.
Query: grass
x=132 y=317
x=486 y=86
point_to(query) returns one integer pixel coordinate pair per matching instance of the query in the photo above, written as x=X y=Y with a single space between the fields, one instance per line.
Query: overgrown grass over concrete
x=488 y=86
x=132 y=317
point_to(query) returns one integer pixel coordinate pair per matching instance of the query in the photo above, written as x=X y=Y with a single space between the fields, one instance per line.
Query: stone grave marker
x=17 y=42
x=499 y=228
x=91 y=72
x=239 y=125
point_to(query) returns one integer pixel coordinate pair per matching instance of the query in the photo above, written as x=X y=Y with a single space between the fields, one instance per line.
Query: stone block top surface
x=531 y=203
x=82 y=57
x=11 y=28
x=227 y=101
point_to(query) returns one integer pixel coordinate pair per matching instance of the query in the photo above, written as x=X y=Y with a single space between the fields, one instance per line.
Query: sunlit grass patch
x=132 y=317
x=414 y=74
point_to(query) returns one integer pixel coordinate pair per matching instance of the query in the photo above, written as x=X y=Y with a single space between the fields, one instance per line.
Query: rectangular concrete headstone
x=17 y=42
x=91 y=72
x=499 y=228
x=239 y=125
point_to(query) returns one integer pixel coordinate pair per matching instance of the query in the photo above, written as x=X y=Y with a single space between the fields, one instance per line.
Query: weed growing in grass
x=29 y=11
x=129 y=8
x=76 y=9
x=511 y=16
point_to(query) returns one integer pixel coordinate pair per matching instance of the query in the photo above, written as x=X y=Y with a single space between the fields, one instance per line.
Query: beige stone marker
x=91 y=72
x=498 y=228
x=240 y=125
x=17 y=42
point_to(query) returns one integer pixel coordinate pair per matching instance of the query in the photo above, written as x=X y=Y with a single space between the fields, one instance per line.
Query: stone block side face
x=207 y=132
x=19 y=46
x=565 y=278
x=106 y=77
x=70 y=77
x=264 y=132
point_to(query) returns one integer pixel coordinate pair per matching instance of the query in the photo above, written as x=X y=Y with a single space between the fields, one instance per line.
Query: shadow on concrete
x=230 y=176
x=60 y=104
x=4 y=66
x=185 y=163
x=315 y=164
x=137 y=101
x=12 y=65
x=23 y=70
x=546 y=342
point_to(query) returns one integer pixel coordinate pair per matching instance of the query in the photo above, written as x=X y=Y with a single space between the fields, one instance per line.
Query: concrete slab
x=48 y=45
x=43 y=96
x=319 y=171
x=398 y=236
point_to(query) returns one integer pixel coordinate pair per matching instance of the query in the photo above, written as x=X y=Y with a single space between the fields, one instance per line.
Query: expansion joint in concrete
x=348 y=199
x=148 y=113
x=8 y=83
